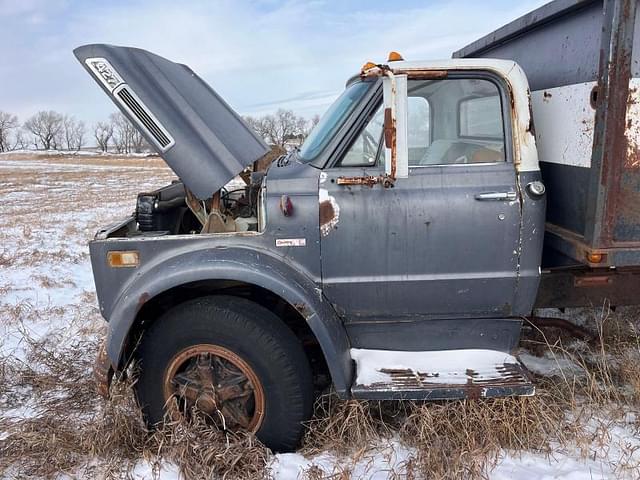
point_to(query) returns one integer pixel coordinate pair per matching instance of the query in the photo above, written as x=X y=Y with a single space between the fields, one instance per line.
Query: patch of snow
x=74 y=153
x=386 y=460
x=530 y=466
x=442 y=366
x=143 y=470
x=550 y=365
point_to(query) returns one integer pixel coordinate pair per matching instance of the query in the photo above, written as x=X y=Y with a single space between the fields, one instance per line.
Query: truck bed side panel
x=587 y=122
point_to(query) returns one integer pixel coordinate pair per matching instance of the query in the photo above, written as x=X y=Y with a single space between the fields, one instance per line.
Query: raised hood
x=194 y=130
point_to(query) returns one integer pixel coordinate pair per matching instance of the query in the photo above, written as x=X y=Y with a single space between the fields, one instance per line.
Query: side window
x=364 y=151
x=461 y=124
x=481 y=117
x=418 y=131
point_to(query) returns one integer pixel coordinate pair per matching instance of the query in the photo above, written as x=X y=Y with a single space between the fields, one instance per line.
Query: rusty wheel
x=218 y=383
x=230 y=361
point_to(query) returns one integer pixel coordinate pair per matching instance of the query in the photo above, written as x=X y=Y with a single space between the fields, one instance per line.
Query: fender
x=239 y=264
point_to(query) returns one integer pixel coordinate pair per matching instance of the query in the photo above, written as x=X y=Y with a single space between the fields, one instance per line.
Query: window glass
x=455 y=121
x=332 y=120
x=481 y=117
x=418 y=132
x=364 y=150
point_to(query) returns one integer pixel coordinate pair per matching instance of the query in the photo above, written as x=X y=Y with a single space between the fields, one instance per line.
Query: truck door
x=442 y=243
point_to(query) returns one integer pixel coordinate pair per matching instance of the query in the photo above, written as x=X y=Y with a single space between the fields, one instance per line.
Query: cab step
x=438 y=375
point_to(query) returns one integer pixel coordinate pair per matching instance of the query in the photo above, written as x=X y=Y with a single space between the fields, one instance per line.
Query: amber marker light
x=367 y=66
x=123 y=259
x=593 y=257
x=394 y=57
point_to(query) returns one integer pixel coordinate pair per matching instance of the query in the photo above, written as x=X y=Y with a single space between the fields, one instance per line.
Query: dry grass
x=70 y=429
x=464 y=439
x=455 y=439
x=52 y=422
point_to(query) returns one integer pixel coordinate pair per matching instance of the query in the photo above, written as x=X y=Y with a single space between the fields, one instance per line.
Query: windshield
x=332 y=120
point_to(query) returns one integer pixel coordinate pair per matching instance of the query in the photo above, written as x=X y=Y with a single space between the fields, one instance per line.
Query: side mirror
x=396 y=158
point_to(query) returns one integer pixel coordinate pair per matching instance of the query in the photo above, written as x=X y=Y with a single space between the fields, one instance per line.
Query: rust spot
x=473 y=390
x=611 y=142
x=369 y=181
x=102 y=372
x=563 y=324
x=144 y=298
x=423 y=74
x=327 y=212
x=418 y=74
x=303 y=309
x=593 y=98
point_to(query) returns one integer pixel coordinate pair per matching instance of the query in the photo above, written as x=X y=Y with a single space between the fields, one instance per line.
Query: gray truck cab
x=392 y=256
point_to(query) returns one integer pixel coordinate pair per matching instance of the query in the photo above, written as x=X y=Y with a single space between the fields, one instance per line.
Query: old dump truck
x=396 y=254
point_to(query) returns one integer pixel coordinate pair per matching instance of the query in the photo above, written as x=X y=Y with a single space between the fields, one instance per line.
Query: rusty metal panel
x=584 y=48
x=614 y=188
x=585 y=287
x=510 y=379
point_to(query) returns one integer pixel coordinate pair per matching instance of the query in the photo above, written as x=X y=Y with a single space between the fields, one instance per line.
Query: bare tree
x=308 y=126
x=123 y=132
x=288 y=126
x=138 y=142
x=73 y=133
x=8 y=123
x=259 y=126
x=103 y=132
x=279 y=128
x=46 y=127
x=21 y=139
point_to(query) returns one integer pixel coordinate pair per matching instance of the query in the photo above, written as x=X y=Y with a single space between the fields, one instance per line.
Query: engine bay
x=174 y=210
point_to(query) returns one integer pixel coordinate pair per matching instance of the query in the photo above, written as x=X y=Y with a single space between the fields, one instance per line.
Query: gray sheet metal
x=211 y=143
x=556 y=44
x=524 y=24
x=171 y=261
x=531 y=242
x=290 y=272
x=502 y=334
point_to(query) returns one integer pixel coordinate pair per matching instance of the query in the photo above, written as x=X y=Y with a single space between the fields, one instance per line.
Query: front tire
x=234 y=359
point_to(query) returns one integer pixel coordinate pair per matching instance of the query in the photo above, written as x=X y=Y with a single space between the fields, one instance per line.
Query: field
x=583 y=423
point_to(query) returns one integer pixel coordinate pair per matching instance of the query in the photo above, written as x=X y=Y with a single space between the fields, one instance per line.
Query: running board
x=438 y=375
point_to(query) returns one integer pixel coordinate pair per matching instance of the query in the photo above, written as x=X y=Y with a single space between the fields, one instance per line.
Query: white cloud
x=257 y=55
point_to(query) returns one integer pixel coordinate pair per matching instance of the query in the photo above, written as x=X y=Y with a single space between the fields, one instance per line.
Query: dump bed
x=582 y=59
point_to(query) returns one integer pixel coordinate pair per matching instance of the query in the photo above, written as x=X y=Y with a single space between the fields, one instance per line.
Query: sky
x=259 y=55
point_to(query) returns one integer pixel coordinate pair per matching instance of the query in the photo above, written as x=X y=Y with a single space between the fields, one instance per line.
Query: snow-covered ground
x=51 y=207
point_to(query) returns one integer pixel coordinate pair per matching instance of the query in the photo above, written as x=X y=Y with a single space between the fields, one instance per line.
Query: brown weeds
x=53 y=423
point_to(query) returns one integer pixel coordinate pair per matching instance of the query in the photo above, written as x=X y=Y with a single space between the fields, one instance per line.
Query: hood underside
x=194 y=130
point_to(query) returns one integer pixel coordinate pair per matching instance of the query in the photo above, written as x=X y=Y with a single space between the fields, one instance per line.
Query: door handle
x=496 y=196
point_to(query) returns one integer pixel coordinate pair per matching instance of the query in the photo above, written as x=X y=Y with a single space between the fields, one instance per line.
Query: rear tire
x=263 y=347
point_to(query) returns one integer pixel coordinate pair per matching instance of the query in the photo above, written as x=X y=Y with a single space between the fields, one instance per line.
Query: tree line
x=51 y=130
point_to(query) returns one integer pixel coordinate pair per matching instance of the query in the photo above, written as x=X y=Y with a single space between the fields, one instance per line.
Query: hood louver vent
x=144 y=117
x=194 y=130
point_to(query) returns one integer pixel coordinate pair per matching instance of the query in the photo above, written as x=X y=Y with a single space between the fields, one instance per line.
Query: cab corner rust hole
x=593 y=97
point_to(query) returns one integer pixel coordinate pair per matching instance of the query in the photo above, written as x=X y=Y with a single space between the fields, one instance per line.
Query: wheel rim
x=219 y=383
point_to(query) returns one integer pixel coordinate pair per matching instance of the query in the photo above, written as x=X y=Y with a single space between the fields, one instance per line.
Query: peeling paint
x=632 y=131
x=329 y=212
